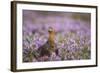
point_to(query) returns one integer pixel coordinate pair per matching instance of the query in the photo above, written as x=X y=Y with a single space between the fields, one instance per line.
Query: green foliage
x=85 y=52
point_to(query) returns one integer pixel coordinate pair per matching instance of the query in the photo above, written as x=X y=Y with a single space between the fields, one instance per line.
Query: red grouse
x=49 y=47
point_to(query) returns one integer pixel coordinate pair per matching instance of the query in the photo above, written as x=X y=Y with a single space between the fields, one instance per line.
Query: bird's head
x=51 y=30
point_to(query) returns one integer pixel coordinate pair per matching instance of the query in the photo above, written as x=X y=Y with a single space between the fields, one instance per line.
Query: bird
x=49 y=47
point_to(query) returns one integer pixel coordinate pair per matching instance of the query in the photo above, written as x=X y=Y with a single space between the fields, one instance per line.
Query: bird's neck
x=51 y=39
